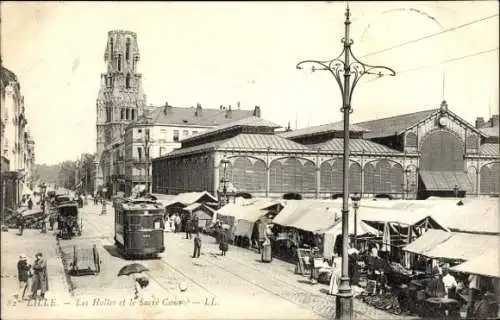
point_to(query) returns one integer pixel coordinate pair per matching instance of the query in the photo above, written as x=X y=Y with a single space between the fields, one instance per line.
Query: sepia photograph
x=249 y=160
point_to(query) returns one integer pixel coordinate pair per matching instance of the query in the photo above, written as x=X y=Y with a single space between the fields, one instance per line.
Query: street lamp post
x=342 y=71
x=225 y=162
x=356 y=199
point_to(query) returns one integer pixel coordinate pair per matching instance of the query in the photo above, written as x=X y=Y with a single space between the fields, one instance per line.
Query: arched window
x=127 y=81
x=133 y=114
x=111 y=47
x=127 y=114
x=122 y=114
x=411 y=140
x=119 y=62
x=127 y=49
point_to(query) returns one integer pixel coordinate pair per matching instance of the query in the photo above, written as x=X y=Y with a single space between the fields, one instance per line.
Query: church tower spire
x=120 y=99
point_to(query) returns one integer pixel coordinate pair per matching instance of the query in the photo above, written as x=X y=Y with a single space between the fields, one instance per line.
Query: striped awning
x=446 y=181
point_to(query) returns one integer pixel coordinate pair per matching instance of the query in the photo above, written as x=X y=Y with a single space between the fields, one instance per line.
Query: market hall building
x=410 y=156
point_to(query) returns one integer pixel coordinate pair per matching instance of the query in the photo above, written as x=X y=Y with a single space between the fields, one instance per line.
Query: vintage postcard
x=250 y=160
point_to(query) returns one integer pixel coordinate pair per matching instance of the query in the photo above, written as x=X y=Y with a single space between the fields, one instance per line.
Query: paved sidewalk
x=31 y=242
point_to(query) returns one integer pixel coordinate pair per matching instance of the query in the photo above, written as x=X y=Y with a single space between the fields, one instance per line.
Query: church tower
x=120 y=100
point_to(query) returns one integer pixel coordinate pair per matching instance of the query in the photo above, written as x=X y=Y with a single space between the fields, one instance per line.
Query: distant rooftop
x=491 y=131
x=249 y=121
x=193 y=116
x=325 y=128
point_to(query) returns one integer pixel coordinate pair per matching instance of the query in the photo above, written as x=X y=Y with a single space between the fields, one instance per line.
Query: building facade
x=120 y=100
x=17 y=145
x=159 y=132
x=428 y=153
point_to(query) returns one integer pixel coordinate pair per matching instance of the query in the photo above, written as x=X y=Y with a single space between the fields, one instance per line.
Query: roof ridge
x=396 y=116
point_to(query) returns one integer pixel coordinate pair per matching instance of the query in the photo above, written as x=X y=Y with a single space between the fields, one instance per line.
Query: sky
x=219 y=53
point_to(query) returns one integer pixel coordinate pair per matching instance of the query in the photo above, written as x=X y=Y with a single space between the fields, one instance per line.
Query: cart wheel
x=75 y=259
x=97 y=261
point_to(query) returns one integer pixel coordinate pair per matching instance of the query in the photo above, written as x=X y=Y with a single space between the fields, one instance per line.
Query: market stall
x=464 y=252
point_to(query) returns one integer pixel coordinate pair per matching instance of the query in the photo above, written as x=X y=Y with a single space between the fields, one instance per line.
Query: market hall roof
x=244 y=142
x=395 y=125
x=390 y=126
x=325 y=128
x=355 y=146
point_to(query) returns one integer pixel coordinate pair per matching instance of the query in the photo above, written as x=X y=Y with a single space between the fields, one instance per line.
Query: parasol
x=131 y=269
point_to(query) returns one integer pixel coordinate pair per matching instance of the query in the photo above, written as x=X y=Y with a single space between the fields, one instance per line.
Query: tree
x=86 y=172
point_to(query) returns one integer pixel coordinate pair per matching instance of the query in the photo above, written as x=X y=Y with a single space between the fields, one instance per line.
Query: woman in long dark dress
x=223 y=242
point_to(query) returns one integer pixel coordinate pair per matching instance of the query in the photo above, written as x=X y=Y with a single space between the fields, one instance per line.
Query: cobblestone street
x=259 y=289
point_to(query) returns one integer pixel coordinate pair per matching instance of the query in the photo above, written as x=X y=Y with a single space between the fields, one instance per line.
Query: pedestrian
x=51 y=221
x=23 y=275
x=188 y=227
x=20 y=223
x=177 y=222
x=197 y=245
x=223 y=242
x=266 y=253
x=141 y=282
x=30 y=203
x=40 y=279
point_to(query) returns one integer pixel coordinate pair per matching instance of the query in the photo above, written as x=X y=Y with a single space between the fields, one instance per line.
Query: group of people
x=220 y=234
x=32 y=275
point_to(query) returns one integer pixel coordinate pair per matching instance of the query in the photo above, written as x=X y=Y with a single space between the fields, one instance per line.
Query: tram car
x=139 y=228
x=67 y=220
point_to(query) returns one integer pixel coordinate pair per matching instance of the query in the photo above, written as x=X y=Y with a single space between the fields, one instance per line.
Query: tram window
x=135 y=220
x=158 y=223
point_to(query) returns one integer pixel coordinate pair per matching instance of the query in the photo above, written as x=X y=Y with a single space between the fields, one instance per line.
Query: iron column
x=347 y=73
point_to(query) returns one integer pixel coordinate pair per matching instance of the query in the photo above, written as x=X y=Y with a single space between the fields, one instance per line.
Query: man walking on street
x=197 y=245
x=188 y=227
x=40 y=280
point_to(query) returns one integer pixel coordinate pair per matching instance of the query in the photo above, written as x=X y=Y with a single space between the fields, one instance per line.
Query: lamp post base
x=344 y=306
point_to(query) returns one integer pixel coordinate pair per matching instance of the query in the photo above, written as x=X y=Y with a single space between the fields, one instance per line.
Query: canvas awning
x=317 y=220
x=461 y=246
x=428 y=241
x=446 y=180
x=293 y=210
x=487 y=264
x=193 y=206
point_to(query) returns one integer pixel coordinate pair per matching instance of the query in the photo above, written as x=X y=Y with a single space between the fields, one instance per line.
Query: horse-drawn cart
x=67 y=220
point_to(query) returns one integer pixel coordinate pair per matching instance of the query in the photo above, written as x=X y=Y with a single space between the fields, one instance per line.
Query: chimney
x=239 y=105
x=494 y=120
x=165 y=107
x=228 y=112
x=198 y=110
x=256 y=111
x=479 y=122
